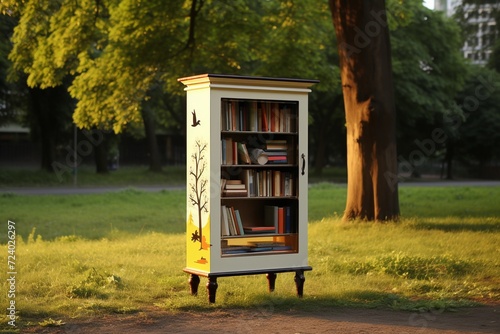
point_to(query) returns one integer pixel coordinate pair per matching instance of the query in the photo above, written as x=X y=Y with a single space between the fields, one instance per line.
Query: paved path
x=451 y=184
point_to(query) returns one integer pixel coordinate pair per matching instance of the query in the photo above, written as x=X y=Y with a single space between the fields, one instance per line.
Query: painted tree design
x=198 y=186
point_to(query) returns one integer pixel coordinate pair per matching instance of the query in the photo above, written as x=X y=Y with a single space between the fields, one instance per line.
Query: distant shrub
x=68 y=238
x=412 y=267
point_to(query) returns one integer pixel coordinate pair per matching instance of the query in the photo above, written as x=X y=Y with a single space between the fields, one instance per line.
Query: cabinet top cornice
x=240 y=80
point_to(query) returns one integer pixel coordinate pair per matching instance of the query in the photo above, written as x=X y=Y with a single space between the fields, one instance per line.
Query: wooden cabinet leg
x=212 y=288
x=299 y=282
x=271 y=279
x=194 y=282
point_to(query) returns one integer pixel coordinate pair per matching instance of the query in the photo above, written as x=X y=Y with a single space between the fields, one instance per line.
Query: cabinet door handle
x=303 y=162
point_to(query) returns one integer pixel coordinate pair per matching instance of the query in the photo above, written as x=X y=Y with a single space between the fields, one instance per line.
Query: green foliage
x=124 y=56
x=480 y=128
x=428 y=72
x=119 y=52
x=143 y=39
x=95 y=285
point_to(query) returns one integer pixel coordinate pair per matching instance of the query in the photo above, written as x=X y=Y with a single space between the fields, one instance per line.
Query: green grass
x=113 y=215
x=87 y=177
x=119 y=253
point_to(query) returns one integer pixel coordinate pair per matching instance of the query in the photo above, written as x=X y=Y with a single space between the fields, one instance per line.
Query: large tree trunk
x=365 y=62
x=101 y=157
x=150 y=131
x=450 y=150
x=44 y=124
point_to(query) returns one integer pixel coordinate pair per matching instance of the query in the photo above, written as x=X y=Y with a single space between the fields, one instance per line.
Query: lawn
x=89 y=255
x=87 y=177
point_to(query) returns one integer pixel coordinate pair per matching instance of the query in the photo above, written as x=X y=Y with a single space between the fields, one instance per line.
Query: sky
x=429 y=4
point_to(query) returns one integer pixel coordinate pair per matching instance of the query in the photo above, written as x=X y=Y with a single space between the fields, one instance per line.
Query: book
x=269 y=245
x=281 y=220
x=224 y=222
x=276 y=183
x=259 y=229
x=234 y=181
x=223 y=152
x=276 y=147
x=271 y=216
x=265 y=123
x=243 y=153
x=227 y=144
x=248 y=179
x=275 y=117
x=239 y=222
x=235 y=193
x=231 y=222
x=235 y=221
x=235 y=152
x=277 y=160
x=235 y=249
x=234 y=120
x=261 y=249
x=274 y=153
x=253 y=116
x=272 y=158
x=288 y=219
x=235 y=186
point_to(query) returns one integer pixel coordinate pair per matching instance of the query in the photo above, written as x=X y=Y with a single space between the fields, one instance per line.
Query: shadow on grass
x=259 y=306
x=265 y=305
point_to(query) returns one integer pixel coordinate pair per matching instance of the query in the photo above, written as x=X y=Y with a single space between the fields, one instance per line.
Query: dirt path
x=345 y=321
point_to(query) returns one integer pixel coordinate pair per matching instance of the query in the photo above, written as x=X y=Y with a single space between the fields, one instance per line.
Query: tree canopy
x=121 y=57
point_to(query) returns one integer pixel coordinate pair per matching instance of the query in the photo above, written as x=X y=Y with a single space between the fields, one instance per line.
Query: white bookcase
x=246 y=178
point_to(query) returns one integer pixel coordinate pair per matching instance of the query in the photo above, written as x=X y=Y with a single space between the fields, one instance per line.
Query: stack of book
x=268 y=246
x=233 y=188
x=276 y=151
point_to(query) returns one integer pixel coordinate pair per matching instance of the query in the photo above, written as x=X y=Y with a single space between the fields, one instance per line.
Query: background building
x=482 y=26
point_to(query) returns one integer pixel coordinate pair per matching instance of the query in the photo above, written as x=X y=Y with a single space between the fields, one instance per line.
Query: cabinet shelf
x=247 y=166
x=256 y=235
x=257 y=253
x=262 y=133
x=251 y=198
x=246 y=138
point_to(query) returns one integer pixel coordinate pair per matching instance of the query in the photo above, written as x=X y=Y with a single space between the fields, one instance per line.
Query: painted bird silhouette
x=195 y=122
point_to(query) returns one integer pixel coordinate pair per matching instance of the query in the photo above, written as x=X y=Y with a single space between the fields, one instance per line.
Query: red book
x=265 y=126
x=281 y=220
x=259 y=229
x=276 y=157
